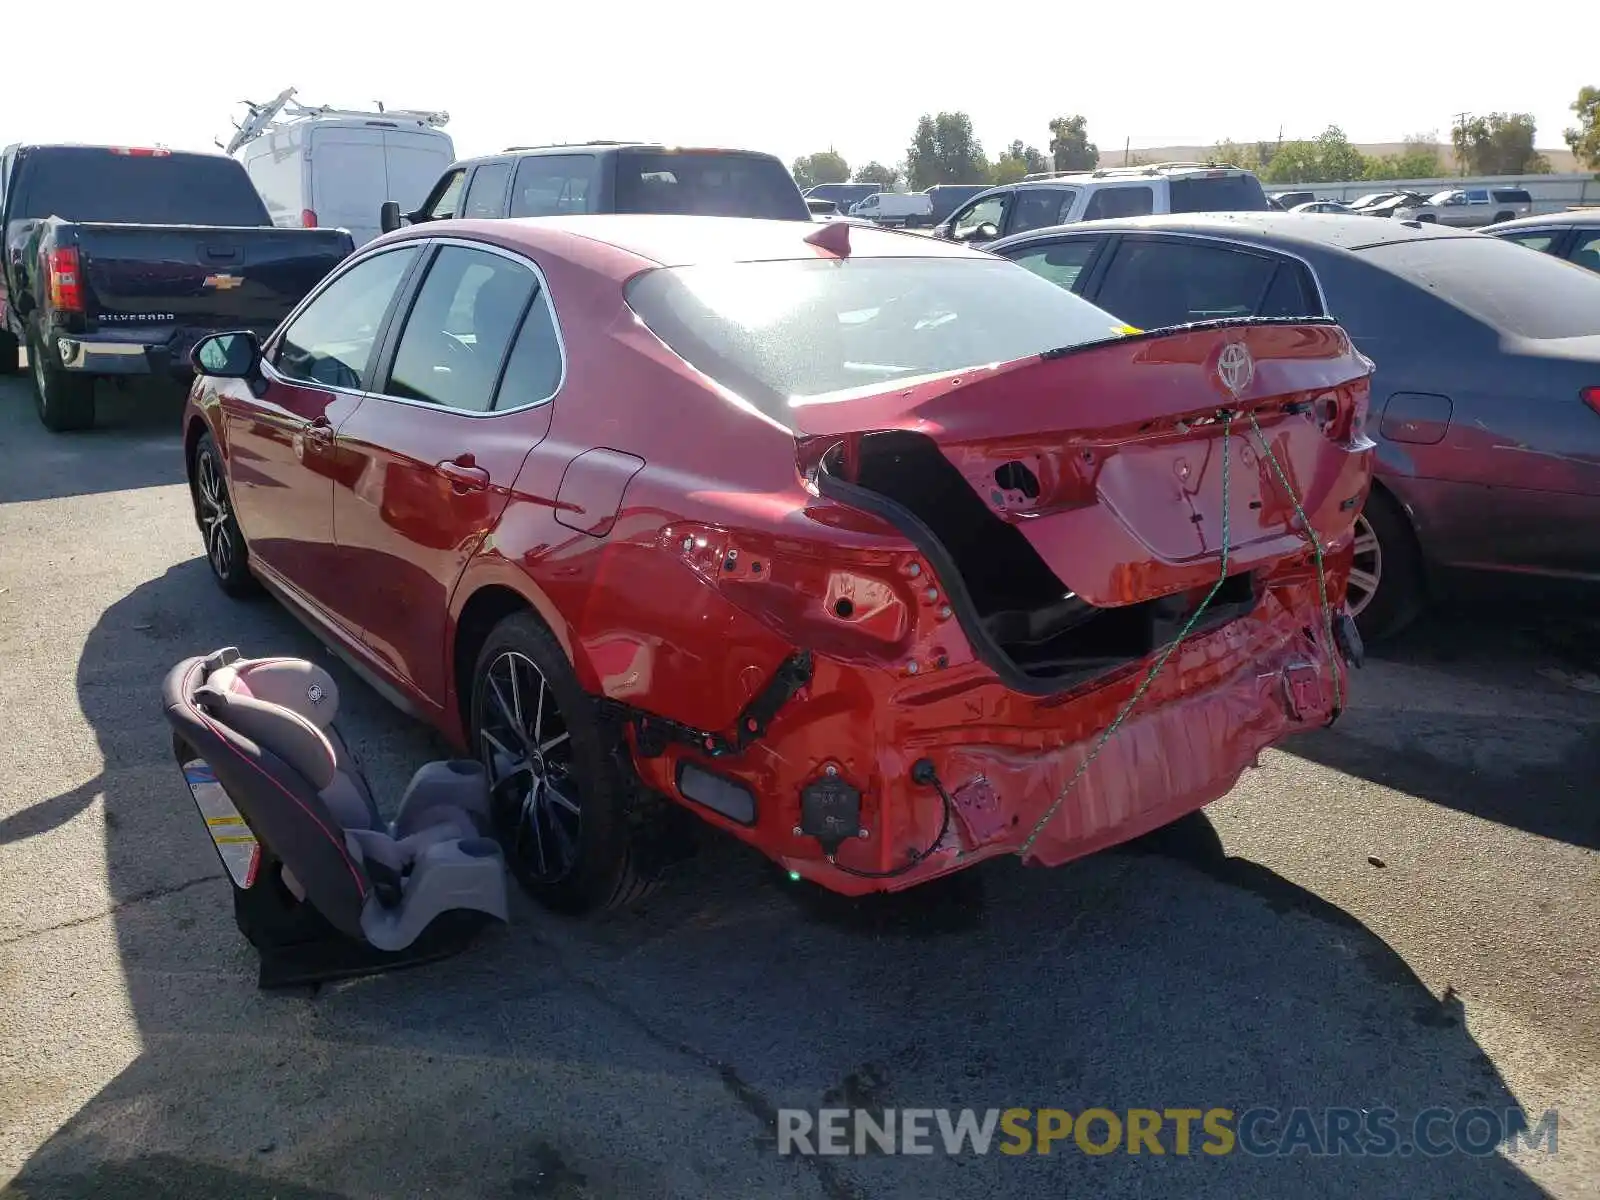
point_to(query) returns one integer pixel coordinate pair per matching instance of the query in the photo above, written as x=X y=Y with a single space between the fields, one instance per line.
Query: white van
x=895 y=208
x=334 y=168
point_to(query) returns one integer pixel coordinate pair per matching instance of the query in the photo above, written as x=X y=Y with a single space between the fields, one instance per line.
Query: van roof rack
x=1155 y=168
x=264 y=118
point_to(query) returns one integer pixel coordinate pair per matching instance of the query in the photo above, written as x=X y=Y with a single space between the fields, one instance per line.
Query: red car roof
x=675 y=241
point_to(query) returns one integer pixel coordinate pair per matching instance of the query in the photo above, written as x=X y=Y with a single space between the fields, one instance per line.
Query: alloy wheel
x=1366 y=567
x=527 y=751
x=211 y=504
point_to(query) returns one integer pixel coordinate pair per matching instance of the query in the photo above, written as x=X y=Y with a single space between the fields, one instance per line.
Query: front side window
x=1157 y=284
x=486 y=196
x=549 y=185
x=1120 y=202
x=448 y=204
x=785 y=333
x=1586 y=253
x=990 y=211
x=1533 y=239
x=1059 y=262
x=331 y=341
x=456 y=335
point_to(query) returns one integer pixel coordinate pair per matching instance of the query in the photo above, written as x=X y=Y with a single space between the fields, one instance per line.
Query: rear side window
x=549 y=185
x=1040 y=208
x=487 y=193
x=1119 y=202
x=457 y=333
x=1512 y=196
x=1291 y=293
x=782 y=333
x=1533 y=239
x=1499 y=283
x=93 y=184
x=1059 y=262
x=1224 y=193
x=713 y=184
x=1154 y=284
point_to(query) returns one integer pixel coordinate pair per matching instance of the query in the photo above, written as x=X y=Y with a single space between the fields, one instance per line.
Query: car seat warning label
x=236 y=845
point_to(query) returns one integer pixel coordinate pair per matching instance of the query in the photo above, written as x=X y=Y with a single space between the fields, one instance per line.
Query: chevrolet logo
x=222 y=282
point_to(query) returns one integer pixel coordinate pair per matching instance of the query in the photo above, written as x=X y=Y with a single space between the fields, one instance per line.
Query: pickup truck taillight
x=66 y=285
x=308 y=218
x=1591 y=397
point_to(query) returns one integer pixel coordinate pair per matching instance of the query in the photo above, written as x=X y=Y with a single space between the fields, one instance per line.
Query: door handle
x=464 y=473
x=320 y=430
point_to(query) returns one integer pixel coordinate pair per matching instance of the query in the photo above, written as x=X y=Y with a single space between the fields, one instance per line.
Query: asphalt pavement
x=1399 y=911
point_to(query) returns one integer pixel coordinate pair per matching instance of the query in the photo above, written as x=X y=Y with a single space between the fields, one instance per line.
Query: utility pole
x=1458 y=139
x=1127 y=144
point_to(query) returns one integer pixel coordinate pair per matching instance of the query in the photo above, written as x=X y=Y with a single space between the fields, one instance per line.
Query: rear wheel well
x=485 y=609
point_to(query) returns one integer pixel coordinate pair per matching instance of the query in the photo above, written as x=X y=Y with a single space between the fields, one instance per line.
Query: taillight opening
x=308 y=218
x=66 y=283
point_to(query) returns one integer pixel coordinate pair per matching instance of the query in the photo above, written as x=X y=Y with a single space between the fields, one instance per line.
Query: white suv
x=1470 y=207
x=1041 y=201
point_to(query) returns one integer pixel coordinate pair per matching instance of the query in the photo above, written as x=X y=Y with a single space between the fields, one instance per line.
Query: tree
x=1419 y=160
x=1585 y=137
x=1070 y=146
x=1328 y=158
x=882 y=177
x=825 y=166
x=1498 y=144
x=1017 y=161
x=944 y=150
x=1234 y=155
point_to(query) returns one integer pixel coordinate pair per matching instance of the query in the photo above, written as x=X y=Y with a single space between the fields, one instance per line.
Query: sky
x=807 y=77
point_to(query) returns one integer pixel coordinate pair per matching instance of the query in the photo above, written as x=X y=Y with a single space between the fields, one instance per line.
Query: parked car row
x=1466 y=208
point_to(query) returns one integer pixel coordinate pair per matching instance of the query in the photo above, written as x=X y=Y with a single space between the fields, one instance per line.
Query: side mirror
x=227 y=355
x=390 y=217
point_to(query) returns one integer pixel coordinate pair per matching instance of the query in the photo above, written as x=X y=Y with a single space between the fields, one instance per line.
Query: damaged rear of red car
x=1033 y=606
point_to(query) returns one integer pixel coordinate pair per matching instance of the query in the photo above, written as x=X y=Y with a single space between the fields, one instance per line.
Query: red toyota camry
x=882 y=554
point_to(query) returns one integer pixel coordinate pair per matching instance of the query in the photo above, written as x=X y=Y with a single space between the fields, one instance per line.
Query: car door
x=461 y=395
x=1157 y=281
x=280 y=443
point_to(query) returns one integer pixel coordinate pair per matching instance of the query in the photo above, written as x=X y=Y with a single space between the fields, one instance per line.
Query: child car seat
x=323 y=887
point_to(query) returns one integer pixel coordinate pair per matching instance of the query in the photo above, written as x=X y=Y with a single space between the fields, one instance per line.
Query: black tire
x=10 y=354
x=64 y=401
x=227 y=553
x=588 y=851
x=1400 y=593
x=1427 y=218
x=1505 y=216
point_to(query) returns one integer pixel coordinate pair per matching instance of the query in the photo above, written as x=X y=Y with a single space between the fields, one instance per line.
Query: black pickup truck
x=117 y=260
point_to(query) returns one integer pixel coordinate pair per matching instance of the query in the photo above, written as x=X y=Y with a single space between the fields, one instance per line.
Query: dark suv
x=610 y=177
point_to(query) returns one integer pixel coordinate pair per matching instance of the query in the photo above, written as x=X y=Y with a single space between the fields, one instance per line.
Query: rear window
x=707 y=184
x=1226 y=193
x=780 y=333
x=1499 y=283
x=92 y=184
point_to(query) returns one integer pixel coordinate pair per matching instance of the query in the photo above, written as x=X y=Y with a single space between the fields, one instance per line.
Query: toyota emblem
x=1235 y=367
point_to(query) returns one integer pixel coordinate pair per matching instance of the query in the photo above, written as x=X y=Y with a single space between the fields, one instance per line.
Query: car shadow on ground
x=1531 y=766
x=647 y=1053
x=135 y=443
